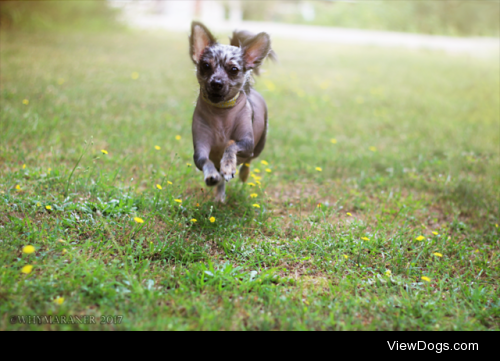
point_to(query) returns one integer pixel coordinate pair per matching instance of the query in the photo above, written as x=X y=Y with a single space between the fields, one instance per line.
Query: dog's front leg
x=210 y=173
x=242 y=148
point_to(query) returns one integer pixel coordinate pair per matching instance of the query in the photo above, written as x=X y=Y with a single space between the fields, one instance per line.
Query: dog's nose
x=216 y=84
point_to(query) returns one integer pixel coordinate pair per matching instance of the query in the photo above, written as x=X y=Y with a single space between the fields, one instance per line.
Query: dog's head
x=223 y=70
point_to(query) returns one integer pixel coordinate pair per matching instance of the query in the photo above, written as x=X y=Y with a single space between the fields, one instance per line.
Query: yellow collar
x=227 y=104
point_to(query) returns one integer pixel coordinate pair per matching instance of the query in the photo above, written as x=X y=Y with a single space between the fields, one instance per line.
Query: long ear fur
x=199 y=39
x=256 y=48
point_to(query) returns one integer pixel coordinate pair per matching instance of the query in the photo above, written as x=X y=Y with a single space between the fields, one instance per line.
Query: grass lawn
x=377 y=209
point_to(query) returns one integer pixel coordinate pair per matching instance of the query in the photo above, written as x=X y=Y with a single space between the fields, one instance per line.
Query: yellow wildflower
x=48 y=208
x=197 y=204
x=18 y=187
x=435 y=233
x=134 y=75
x=59 y=300
x=372 y=149
x=169 y=182
x=26 y=101
x=256 y=181
x=194 y=220
x=319 y=169
x=256 y=170
x=333 y=140
x=178 y=200
x=420 y=238
x=158 y=186
x=264 y=162
x=189 y=164
x=427 y=279
x=268 y=170
x=365 y=238
x=349 y=214
x=48 y=172
x=318 y=205
x=251 y=184
x=28 y=249
x=138 y=220
x=64 y=251
x=255 y=206
x=388 y=272
x=345 y=256
x=104 y=151
x=247 y=164
x=212 y=219
x=157 y=147
x=24 y=166
x=27 y=269
x=437 y=254
x=38 y=204
x=178 y=137
x=253 y=195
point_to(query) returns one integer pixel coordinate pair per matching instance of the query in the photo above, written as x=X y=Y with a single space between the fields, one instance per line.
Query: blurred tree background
x=439 y=17
x=443 y=17
x=93 y=15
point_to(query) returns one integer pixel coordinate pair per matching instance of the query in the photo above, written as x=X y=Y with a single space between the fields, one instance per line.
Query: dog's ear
x=256 y=49
x=199 y=39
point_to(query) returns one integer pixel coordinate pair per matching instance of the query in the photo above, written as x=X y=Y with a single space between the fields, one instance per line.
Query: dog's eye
x=206 y=65
x=234 y=69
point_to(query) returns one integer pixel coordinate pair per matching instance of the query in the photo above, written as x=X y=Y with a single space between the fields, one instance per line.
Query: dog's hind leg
x=221 y=192
x=245 y=167
x=245 y=170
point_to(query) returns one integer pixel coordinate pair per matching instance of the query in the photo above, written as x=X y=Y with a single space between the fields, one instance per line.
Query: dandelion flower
x=372 y=149
x=178 y=200
x=104 y=151
x=212 y=219
x=189 y=164
x=59 y=300
x=319 y=169
x=420 y=238
x=28 y=249
x=437 y=254
x=247 y=164
x=169 y=182
x=48 y=208
x=159 y=186
x=134 y=75
x=138 y=220
x=365 y=238
x=268 y=170
x=38 y=204
x=26 y=101
x=345 y=256
x=197 y=204
x=426 y=279
x=435 y=233
x=255 y=205
x=253 y=195
x=318 y=205
x=264 y=162
x=388 y=272
x=194 y=220
x=256 y=181
x=178 y=137
x=48 y=172
x=18 y=187
x=333 y=140
x=256 y=170
x=349 y=214
x=157 y=147
x=24 y=166
x=27 y=269
x=251 y=184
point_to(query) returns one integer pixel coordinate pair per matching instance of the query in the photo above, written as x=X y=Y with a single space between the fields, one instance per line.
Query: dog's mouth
x=215 y=97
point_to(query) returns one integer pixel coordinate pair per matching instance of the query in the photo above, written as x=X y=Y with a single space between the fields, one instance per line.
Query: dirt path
x=479 y=46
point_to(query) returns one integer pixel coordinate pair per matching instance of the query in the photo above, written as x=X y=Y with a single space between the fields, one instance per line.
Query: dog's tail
x=242 y=37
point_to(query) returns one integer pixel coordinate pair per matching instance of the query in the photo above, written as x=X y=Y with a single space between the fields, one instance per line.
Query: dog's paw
x=228 y=168
x=212 y=178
